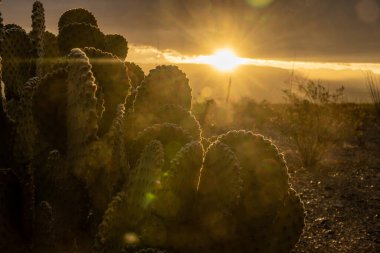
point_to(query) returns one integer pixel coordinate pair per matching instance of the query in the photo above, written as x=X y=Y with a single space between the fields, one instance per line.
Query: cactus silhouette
x=37 y=37
x=117 y=45
x=112 y=81
x=80 y=35
x=135 y=73
x=95 y=152
x=158 y=87
x=15 y=51
x=7 y=126
x=78 y=15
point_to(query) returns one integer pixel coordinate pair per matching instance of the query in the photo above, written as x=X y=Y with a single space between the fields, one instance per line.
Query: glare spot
x=131 y=238
x=368 y=11
x=149 y=198
x=224 y=60
x=260 y=3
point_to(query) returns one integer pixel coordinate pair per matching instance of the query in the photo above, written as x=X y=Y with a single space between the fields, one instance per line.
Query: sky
x=304 y=30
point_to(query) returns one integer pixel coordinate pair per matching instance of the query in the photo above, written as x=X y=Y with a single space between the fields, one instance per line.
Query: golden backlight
x=224 y=60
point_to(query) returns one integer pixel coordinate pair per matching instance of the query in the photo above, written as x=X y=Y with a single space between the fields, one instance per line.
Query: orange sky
x=302 y=30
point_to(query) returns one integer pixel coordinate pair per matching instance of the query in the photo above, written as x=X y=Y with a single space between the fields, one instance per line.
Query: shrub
x=373 y=84
x=312 y=119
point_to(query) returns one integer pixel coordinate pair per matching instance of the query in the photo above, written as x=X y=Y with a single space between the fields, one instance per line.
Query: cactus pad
x=78 y=15
x=49 y=108
x=117 y=45
x=80 y=35
x=176 y=200
x=132 y=206
x=163 y=85
x=112 y=79
x=135 y=73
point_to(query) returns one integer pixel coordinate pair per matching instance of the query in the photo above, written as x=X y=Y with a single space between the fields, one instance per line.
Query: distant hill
x=266 y=83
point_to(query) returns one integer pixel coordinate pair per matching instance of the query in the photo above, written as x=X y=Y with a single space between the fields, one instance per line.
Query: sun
x=224 y=60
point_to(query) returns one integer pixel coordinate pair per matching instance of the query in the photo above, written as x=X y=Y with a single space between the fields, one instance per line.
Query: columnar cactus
x=6 y=129
x=25 y=128
x=1 y=28
x=15 y=51
x=37 y=36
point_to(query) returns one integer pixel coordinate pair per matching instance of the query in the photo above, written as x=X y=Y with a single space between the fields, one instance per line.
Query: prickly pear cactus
x=158 y=89
x=49 y=109
x=82 y=117
x=135 y=73
x=77 y=15
x=134 y=202
x=117 y=45
x=264 y=193
x=51 y=49
x=99 y=152
x=112 y=81
x=80 y=35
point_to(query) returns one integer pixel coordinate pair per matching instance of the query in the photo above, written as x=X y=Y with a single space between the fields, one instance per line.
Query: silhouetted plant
x=77 y=15
x=87 y=165
x=311 y=120
x=117 y=45
x=373 y=84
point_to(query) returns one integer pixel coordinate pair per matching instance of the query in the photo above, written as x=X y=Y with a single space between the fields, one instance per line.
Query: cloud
x=314 y=30
x=151 y=55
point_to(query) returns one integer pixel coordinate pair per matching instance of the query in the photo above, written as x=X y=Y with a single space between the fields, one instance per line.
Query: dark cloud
x=303 y=29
